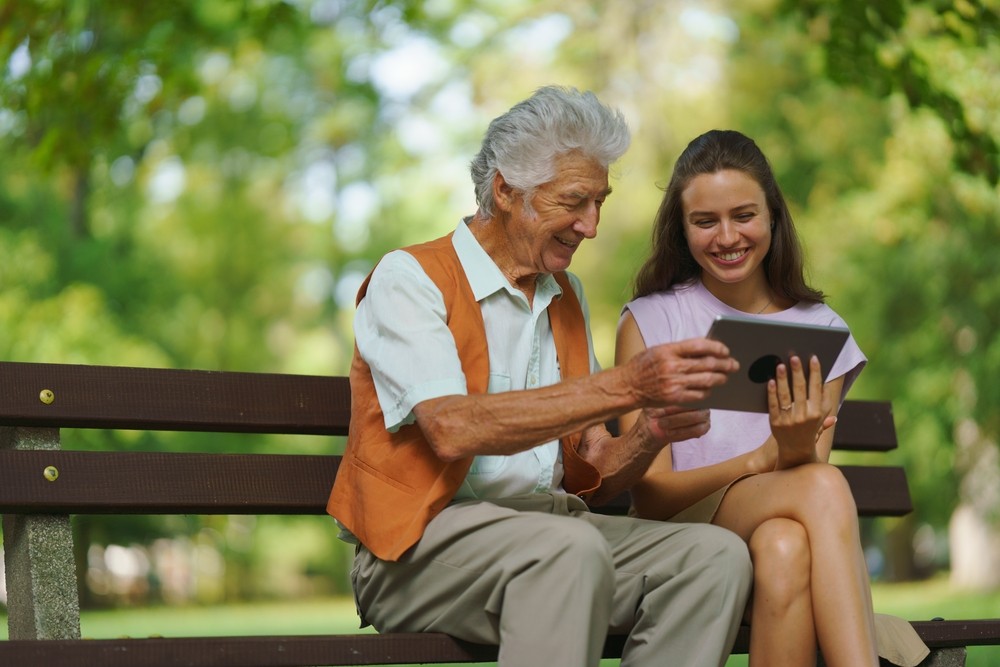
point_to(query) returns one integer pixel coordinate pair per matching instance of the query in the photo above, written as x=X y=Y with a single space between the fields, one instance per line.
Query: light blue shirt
x=401 y=332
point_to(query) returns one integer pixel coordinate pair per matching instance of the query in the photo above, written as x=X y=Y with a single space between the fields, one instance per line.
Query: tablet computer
x=760 y=345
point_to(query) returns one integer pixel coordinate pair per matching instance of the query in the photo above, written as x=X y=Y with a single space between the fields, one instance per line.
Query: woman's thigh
x=799 y=494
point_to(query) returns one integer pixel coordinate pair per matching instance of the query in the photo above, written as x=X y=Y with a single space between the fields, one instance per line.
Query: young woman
x=724 y=243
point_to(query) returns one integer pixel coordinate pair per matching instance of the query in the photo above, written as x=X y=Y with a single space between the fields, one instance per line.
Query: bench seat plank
x=359 y=649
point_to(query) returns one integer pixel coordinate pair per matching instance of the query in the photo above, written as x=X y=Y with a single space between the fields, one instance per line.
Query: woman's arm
x=660 y=492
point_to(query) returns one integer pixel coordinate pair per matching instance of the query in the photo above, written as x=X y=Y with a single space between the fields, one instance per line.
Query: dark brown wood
x=172 y=400
x=291 y=651
x=865 y=426
x=879 y=490
x=360 y=649
x=953 y=633
x=164 y=483
x=226 y=401
x=176 y=483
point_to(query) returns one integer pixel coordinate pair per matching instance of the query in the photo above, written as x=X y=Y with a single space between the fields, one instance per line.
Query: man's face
x=562 y=213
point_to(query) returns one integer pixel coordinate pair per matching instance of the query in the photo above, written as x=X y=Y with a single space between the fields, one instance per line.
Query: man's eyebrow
x=584 y=195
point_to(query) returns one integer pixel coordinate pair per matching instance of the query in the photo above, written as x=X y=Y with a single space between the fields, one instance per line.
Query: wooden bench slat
x=359 y=649
x=879 y=490
x=172 y=400
x=955 y=633
x=865 y=426
x=165 y=483
x=159 y=399
x=291 y=651
x=177 y=483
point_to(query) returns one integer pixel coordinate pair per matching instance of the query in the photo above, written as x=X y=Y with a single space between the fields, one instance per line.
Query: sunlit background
x=205 y=185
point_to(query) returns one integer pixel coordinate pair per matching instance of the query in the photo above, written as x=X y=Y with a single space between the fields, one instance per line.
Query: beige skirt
x=897 y=641
x=704 y=510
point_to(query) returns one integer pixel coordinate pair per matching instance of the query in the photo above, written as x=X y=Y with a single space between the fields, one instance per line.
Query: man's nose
x=588 y=221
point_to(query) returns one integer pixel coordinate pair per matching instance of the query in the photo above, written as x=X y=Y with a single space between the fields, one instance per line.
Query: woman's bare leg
x=781 y=619
x=817 y=497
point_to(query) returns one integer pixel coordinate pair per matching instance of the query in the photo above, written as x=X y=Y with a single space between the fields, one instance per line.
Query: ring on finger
x=786 y=408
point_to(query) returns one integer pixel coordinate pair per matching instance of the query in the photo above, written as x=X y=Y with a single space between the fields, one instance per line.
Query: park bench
x=42 y=485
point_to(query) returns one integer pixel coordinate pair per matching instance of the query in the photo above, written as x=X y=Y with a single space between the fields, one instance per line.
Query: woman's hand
x=799 y=412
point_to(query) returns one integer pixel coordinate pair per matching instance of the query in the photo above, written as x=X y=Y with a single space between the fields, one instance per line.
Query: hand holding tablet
x=759 y=346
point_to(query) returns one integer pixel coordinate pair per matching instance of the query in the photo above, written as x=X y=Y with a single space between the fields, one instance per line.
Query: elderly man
x=477 y=431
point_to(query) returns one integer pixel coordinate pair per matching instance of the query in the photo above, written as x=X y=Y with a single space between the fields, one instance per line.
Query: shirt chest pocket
x=491 y=465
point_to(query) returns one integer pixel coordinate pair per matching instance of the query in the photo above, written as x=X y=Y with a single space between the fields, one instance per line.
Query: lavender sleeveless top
x=687 y=311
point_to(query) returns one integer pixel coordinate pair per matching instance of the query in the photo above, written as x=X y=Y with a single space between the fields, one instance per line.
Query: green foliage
x=896 y=47
x=204 y=184
x=913 y=267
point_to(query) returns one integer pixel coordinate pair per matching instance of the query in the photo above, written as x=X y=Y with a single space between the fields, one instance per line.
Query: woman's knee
x=823 y=486
x=782 y=559
x=779 y=543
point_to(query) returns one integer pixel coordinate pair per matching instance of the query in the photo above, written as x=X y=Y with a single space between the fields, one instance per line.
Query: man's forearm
x=514 y=421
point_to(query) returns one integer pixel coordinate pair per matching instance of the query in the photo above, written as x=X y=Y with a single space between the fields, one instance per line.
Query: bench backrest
x=55 y=396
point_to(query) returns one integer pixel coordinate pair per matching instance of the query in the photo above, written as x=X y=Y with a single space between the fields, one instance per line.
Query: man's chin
x=560 y=260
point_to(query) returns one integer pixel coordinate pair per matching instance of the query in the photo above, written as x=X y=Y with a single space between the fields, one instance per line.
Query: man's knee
x=722 y=557
x=714 y=565
x=571 y=557
x=710 y=548
x=582 y=543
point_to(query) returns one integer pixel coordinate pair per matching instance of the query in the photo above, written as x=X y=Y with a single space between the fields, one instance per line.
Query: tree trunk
x=899 y=562
x=975 y=550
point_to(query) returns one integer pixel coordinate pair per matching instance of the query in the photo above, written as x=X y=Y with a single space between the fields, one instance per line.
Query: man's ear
x=503 y=193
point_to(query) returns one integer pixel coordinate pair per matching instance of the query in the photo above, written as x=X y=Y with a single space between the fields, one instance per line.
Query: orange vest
x=390 y=485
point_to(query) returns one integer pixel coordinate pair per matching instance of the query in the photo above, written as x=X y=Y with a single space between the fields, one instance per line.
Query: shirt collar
x=485 y=277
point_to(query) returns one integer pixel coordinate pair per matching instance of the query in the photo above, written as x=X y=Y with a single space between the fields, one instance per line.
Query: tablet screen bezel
x=750 y=340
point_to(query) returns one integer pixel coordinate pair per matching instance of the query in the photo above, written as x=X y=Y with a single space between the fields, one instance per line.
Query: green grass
x=913 y=601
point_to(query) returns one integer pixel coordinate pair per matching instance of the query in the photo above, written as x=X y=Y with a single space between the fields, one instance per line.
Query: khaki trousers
x=547 y=580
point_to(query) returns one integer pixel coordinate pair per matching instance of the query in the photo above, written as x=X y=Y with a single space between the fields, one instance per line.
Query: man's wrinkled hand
x=676 y=424
x=682 y=372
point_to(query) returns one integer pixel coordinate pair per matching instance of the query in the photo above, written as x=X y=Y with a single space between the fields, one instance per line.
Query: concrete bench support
x=38 y=556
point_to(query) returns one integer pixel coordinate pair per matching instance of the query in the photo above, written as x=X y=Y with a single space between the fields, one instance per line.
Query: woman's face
x=727 y=225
